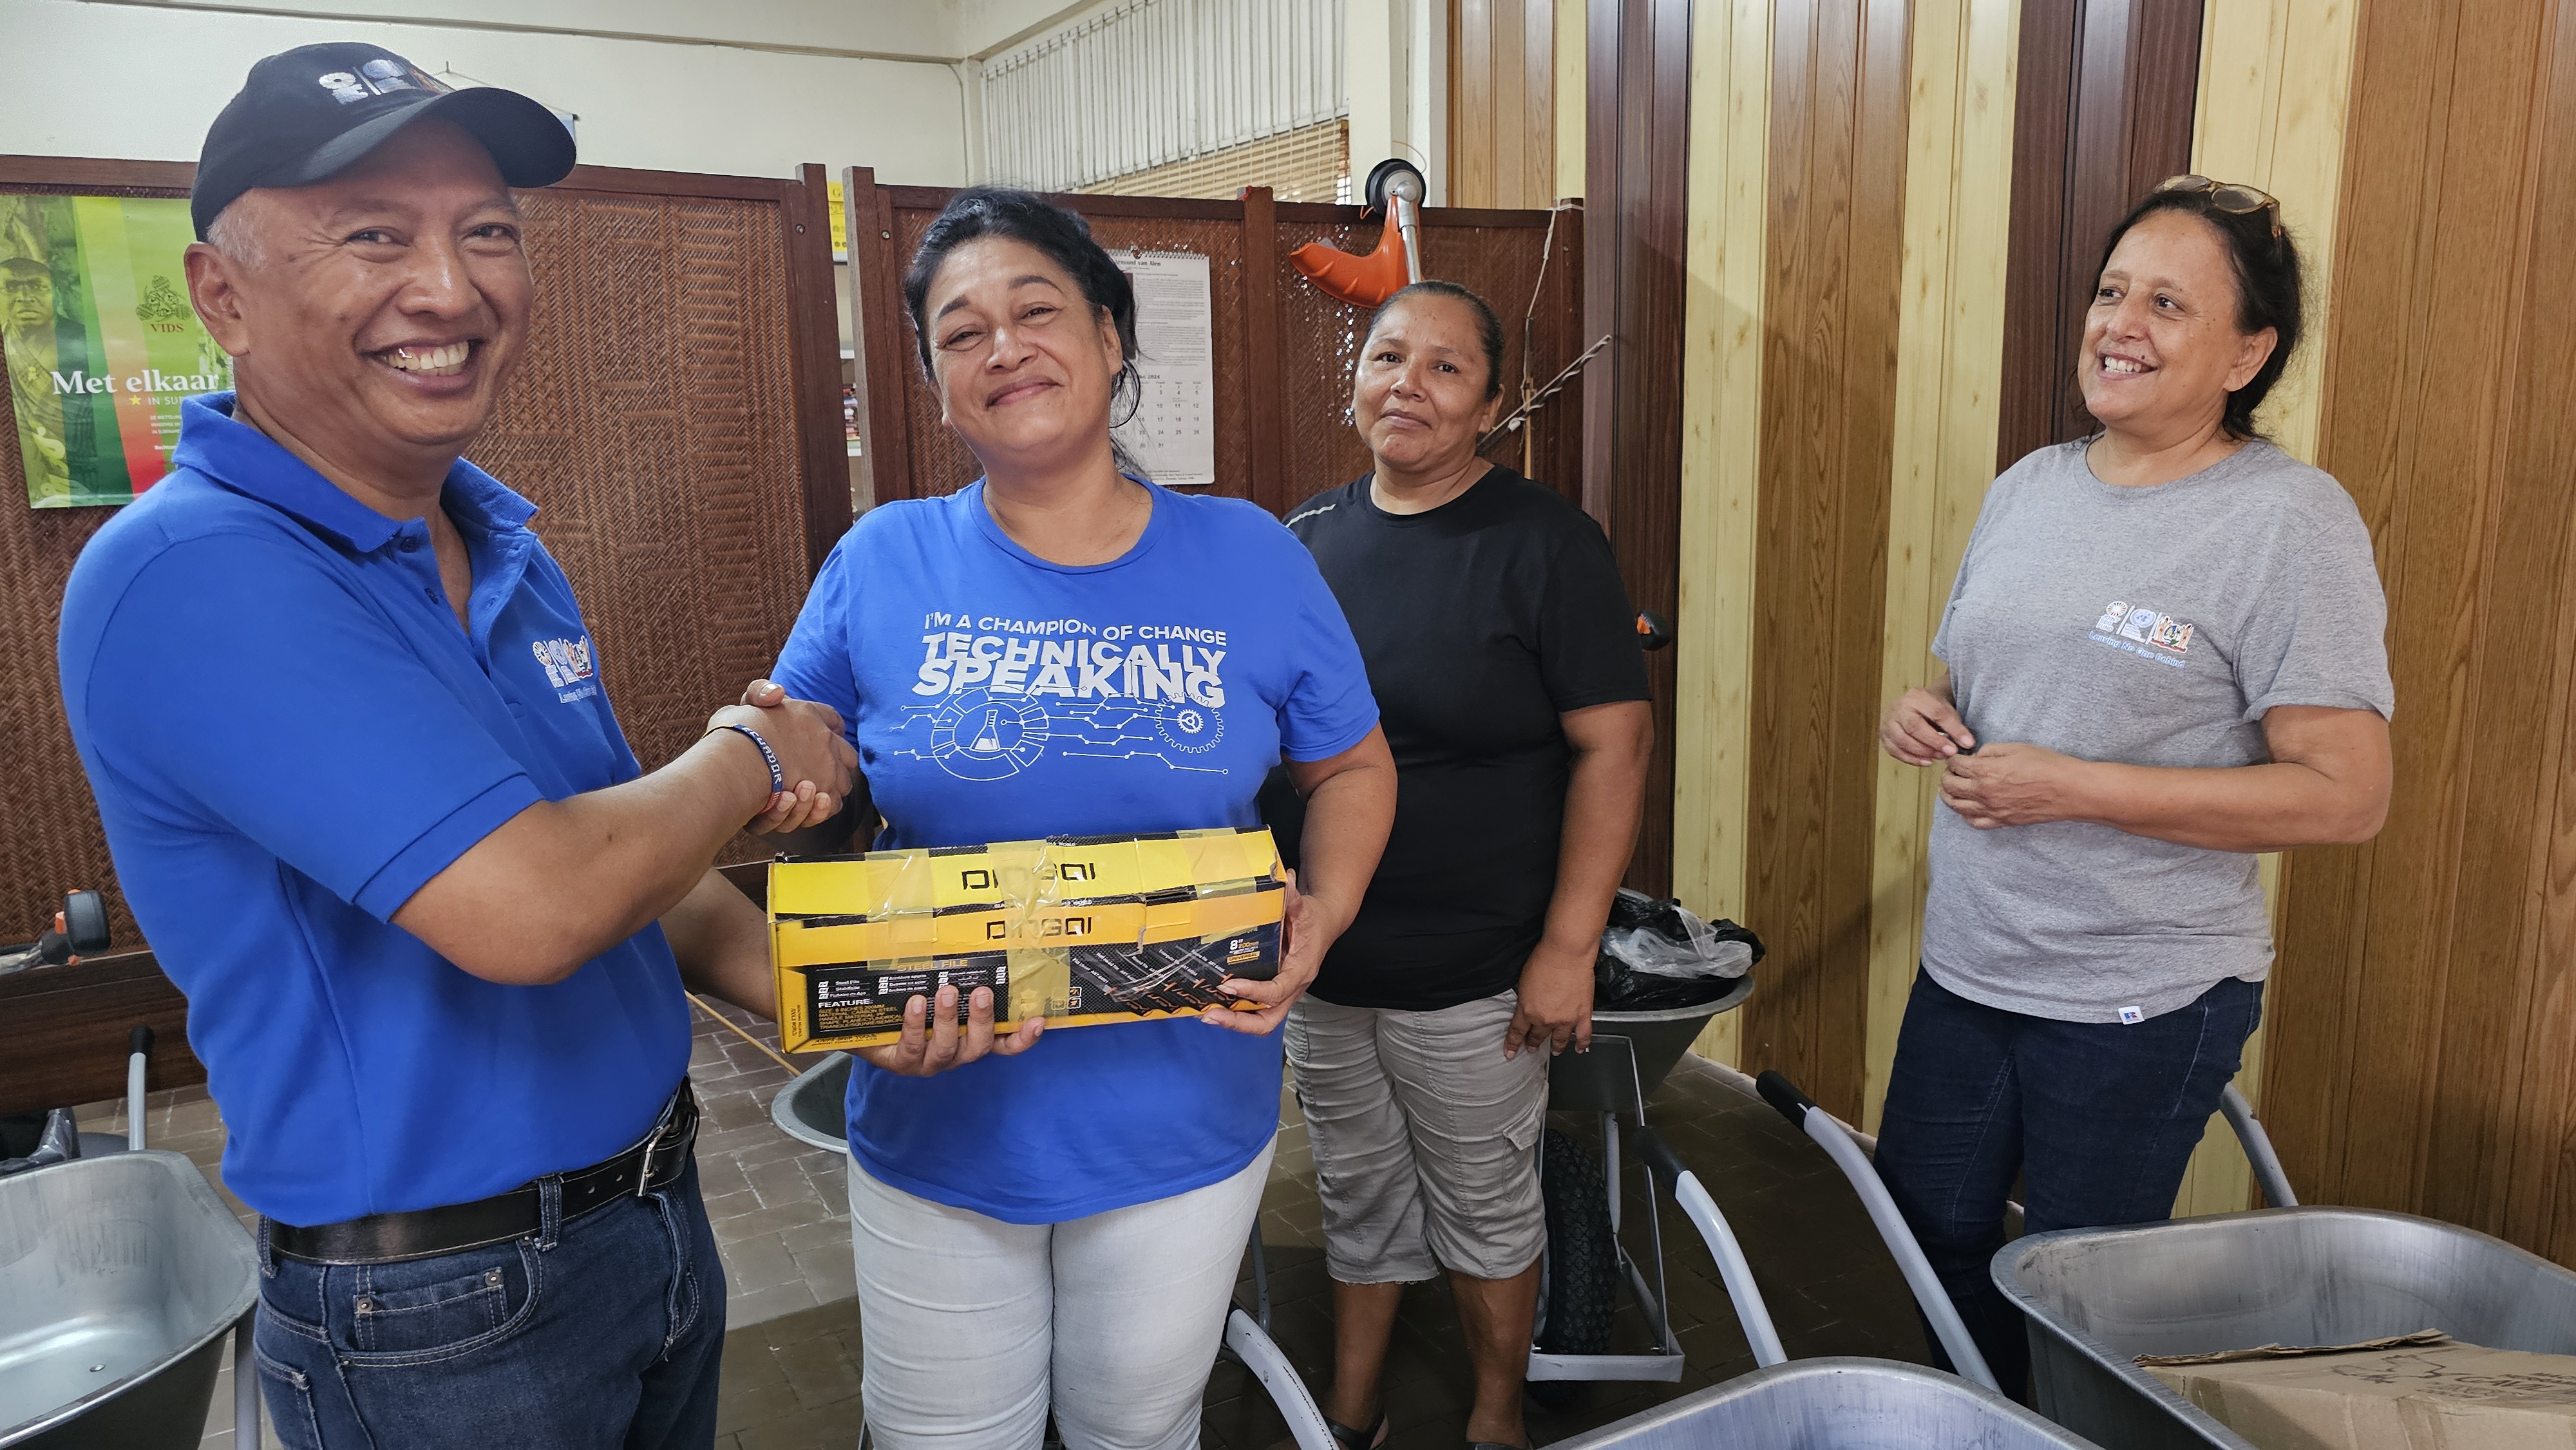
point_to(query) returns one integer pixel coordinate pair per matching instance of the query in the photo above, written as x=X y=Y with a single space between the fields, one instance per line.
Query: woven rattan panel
x=653 y=426
x=940 y=462
x=1321 y=341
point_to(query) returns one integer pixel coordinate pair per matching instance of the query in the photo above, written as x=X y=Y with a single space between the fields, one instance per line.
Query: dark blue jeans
x=598 y=1334
x=2099 y=1120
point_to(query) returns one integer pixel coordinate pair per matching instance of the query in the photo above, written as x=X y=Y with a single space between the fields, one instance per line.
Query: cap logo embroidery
x=378 y=77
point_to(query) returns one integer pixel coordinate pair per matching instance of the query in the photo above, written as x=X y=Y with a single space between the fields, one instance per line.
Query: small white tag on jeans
x=2132 y=1016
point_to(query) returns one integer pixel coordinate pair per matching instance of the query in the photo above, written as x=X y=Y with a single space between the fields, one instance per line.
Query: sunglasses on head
x=2227 y=196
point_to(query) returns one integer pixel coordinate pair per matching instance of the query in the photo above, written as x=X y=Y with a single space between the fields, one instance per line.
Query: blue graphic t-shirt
x=994 y=696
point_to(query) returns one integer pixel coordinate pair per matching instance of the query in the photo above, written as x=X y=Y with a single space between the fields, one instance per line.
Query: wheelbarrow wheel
x=1582 y=1260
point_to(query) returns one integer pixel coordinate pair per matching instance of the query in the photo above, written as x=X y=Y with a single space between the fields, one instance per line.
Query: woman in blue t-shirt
x=1063 y=649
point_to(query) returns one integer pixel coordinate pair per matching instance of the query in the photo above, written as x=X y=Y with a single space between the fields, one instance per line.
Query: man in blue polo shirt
x=370 y=804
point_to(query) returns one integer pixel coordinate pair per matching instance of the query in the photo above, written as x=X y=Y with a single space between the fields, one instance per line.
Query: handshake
x=811 y=755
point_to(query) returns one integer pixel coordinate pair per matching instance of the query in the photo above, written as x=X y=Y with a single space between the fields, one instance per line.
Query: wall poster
x=100 y=342
x=1173 y=432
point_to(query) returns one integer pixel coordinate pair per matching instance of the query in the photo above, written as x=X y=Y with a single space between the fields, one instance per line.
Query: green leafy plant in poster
x=100 y=342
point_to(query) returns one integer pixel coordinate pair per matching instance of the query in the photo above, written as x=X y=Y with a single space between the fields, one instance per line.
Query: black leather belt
x=383 y=1238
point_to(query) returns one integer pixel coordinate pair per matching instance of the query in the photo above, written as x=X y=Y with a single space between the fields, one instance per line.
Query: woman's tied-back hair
x=1024 y=216
x=2266 y=264
x=1489 y=328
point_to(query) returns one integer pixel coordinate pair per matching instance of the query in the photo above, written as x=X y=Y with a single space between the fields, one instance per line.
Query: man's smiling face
x=381 y=311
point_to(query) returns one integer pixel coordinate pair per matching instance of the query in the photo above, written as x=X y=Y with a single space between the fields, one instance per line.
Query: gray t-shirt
x=2150 y=626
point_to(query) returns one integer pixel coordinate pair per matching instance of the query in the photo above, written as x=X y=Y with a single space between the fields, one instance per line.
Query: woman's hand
x=2012 y=784
x=1555 y=1002
x=1923 y=726
x=1350 y=806
x=803 y=803
x=1301 y=954
x=934 y=1047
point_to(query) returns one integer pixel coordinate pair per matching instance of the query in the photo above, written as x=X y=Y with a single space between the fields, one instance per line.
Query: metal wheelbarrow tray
x=1834 y=1404
x=2097 y=1298
x=119 y=1278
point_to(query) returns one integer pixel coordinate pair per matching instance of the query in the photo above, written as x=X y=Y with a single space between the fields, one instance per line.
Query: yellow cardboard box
x=1079 y=930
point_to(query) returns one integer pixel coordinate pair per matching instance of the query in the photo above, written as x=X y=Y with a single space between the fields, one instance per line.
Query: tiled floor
x=793 y=1383
x=791 y=1375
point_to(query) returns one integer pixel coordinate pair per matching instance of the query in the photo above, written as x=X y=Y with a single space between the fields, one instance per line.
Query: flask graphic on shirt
x=988 y=741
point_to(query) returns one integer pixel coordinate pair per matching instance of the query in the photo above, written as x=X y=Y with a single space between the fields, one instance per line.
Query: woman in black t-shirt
x=1504 y=657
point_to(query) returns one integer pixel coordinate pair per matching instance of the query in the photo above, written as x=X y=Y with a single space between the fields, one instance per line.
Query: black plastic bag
x=1657 y=954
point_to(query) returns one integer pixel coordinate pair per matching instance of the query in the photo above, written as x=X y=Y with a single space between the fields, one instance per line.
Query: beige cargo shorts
x=1423 y=1136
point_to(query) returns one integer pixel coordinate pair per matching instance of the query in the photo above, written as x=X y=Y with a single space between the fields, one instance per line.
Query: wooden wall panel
x=1722 y=339
x=1636 y=222
x=2422 y=1012
x=1502 y=104
x=1839 y=76
x=1959 y=167
x=2275 y=85
x=2102 y=111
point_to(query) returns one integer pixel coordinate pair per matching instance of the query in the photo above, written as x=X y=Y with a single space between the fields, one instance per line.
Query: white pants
x=971 y=1328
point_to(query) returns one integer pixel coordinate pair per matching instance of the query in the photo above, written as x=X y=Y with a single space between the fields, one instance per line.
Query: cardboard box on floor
x=2414 y=1392
x=1078 y=930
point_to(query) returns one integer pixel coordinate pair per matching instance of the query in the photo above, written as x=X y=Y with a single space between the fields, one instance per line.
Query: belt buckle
x=673 y=1132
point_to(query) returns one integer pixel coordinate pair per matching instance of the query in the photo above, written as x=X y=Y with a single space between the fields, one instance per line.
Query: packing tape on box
x=1080 y=931
x=889 y=883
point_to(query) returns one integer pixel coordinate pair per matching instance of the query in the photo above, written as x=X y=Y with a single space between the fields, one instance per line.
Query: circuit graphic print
x=998 y=696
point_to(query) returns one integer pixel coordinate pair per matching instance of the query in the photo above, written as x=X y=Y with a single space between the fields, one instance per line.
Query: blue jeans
x=2098 y=1119
x=598 y=1333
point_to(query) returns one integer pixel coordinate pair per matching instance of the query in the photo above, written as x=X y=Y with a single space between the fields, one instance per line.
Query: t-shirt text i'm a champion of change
x=996 y=696
x=2152 y=626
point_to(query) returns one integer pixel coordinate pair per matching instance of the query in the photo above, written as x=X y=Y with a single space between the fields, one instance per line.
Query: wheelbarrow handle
x=1929 y=1294
x=1659 y=1155
x=2268 y=1174
x=1760 y=1334
x=1780 y=1093
x=138 y=1053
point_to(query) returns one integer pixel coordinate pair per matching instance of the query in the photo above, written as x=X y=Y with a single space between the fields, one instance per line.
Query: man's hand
x=1301 y=955
x=1555 y=1002
x=2011 y=784
x=1923 y=727
x=812 y=754
x=935 y=1047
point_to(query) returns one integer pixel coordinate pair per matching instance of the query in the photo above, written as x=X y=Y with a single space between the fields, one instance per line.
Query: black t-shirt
x=1482 y=621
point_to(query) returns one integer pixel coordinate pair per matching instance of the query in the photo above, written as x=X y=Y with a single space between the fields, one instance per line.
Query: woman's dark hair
x=1024 y=216
x=1489 y=329
x=2266 y=264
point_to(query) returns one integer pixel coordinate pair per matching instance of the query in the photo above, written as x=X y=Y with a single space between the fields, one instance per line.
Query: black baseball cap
x=310 y=112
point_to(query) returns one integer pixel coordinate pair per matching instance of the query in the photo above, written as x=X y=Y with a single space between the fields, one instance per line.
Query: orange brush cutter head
x=1359 y=281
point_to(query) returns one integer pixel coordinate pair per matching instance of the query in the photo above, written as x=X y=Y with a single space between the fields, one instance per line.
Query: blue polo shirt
x=289 y=734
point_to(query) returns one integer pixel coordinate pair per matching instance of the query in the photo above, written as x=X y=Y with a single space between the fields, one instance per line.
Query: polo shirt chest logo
x=2125 y=627
x=567 y=666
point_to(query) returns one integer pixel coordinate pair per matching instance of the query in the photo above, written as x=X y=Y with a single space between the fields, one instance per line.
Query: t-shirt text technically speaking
x=1071 y=658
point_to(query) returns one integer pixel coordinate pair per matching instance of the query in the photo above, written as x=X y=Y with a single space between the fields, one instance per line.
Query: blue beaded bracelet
x=777 y=777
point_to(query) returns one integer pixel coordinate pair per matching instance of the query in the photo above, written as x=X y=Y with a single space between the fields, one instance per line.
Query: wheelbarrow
x=2095 y=1299
x=1818 y=1404
x=120 y=1276
x=813 y=1109
x=1586 y=1262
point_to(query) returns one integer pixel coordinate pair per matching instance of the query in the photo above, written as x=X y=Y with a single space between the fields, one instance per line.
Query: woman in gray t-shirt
x=2165 y=657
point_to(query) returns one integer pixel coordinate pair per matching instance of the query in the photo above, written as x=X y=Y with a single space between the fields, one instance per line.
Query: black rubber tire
x=1582 y=1261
